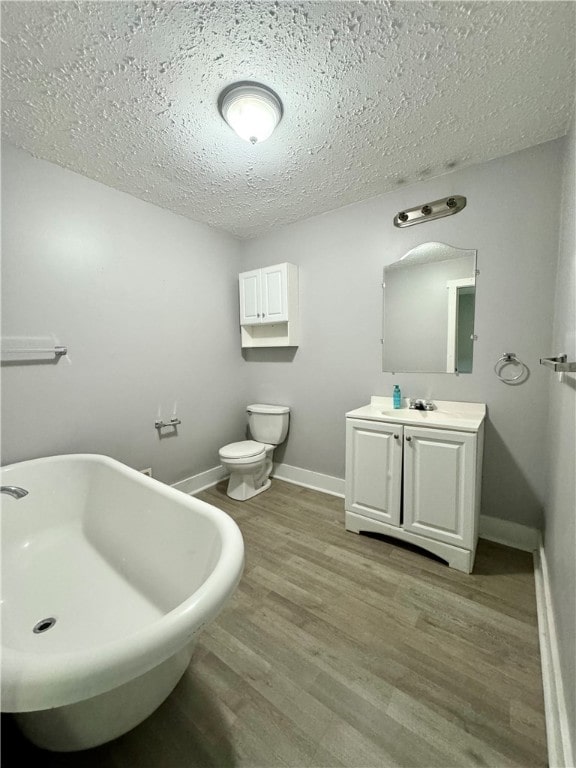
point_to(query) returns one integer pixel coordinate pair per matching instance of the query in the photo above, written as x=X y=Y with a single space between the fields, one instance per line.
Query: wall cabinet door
x=439 y=484
x=250 y=297
x=274 y=291
x=264 y=295
x=374 y=469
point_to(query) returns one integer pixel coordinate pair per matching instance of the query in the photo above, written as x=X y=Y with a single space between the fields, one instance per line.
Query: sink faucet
x=13 y=490
x=421 y=405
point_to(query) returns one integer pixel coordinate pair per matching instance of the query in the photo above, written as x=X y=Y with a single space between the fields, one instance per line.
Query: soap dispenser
x=397 y=396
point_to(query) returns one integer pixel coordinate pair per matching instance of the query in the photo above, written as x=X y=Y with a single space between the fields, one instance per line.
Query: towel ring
x=506 y=359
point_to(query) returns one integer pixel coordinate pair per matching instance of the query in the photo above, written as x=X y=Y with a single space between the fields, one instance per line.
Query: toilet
x=249 y=462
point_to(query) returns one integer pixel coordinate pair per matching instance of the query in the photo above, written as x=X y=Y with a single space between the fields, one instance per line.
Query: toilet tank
x=268 y=423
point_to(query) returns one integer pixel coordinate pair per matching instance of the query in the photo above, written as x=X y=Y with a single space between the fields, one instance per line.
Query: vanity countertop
x=466 y=417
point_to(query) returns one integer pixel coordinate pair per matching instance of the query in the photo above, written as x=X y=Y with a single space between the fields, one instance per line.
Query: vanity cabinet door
x=439 y=484
x=374 y=469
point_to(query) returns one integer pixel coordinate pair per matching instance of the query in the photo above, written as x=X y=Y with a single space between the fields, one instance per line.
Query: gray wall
x=512 y=220
x=146 y=302
x=560 y=508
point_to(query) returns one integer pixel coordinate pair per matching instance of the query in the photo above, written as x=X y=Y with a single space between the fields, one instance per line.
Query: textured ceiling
x=375 y=94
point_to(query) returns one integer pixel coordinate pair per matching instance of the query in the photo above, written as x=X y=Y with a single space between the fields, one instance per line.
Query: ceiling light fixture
x=250 y=109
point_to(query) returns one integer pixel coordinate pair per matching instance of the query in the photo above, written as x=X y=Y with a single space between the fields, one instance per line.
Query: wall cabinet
x=417 y=483
x=269 y=306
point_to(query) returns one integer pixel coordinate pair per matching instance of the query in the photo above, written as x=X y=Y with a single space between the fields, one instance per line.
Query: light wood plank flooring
x=346 y=650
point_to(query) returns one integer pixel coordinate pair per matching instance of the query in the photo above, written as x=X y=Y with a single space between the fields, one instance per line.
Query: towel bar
x=558 y=364
x=7 y=351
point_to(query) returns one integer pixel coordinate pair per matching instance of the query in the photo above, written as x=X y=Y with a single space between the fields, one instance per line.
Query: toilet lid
x=262 y=408
x=243 y=450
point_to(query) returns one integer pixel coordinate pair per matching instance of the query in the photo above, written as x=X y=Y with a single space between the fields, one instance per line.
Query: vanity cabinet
x=269 y=306
x=416 y=478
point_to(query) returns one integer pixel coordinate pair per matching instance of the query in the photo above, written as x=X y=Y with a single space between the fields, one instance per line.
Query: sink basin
x=446 y=415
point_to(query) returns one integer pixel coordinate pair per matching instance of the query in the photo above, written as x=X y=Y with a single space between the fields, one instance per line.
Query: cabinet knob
x=408 y=438
x=396 y=437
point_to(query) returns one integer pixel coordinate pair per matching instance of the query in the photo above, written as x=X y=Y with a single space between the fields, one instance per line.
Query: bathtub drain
x=44 y=625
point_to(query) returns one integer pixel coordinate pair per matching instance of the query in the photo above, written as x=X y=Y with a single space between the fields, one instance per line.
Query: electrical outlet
x=147 y=471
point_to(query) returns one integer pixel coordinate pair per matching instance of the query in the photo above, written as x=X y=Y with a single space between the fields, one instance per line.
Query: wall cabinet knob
x=408 y=438
x=396 y=437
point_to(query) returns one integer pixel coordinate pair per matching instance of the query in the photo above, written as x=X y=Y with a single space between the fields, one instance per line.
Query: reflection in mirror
x=428 y=314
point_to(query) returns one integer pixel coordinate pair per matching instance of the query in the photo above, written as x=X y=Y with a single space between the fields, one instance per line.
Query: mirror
x=428 y=311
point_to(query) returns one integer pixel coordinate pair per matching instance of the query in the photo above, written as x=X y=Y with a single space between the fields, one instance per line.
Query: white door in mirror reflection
x=428 y=310
x=461 y=299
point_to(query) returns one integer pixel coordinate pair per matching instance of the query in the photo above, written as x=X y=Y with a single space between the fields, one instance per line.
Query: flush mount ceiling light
x=250 y=109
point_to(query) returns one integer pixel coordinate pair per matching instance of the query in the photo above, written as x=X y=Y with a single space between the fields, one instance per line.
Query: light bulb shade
x=251 y=110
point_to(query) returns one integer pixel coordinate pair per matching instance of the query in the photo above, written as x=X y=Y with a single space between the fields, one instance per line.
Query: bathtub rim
x=32 y=682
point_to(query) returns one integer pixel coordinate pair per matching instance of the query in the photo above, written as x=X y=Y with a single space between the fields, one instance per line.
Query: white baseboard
x=296 y=475
x=501 y=531
x=200 y=482
x=512 y=534
x=560 y=749
x=308 y=479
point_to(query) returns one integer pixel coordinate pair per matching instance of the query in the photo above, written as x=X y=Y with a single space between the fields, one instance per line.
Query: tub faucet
x=13 y=490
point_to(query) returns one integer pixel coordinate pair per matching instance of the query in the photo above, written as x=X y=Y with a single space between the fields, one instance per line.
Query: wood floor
x=345 y=650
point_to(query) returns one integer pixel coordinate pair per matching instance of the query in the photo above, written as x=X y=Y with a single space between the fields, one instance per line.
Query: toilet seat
x=246 y=449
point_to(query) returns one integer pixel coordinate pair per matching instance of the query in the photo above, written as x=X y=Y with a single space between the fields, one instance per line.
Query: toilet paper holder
x=162 y=424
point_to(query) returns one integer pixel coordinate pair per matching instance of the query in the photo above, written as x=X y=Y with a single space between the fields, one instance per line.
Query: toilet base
x=242 y=487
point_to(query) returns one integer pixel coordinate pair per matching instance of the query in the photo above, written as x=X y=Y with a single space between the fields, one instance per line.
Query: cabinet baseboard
x=460 y=559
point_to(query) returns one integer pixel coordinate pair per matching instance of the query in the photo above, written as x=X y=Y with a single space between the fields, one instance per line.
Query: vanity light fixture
x=435 y=210
x=252 y=110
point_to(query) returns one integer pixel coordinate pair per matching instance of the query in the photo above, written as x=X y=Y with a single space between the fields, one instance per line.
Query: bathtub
x=108 y=576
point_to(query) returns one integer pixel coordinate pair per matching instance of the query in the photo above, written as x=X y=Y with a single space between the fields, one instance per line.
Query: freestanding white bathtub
x=117 y=573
